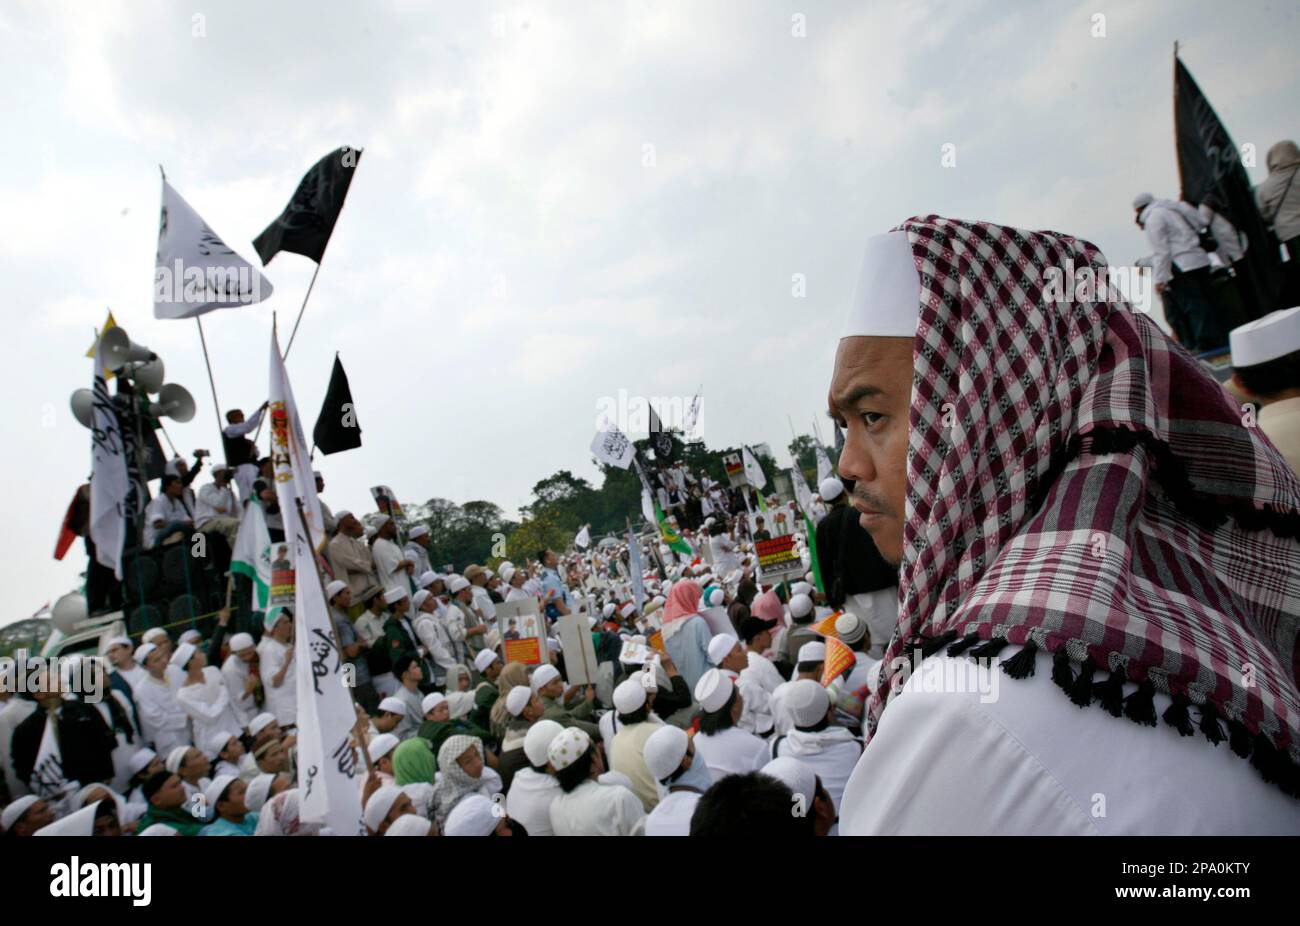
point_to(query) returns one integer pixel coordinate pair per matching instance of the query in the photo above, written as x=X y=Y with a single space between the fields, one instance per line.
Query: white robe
x=1029 y=761
x=731 y=752
x=593 y=809
x=831 y=753
x=165 y=722
x=234 y=673
x=529 y=800
x=672 y=815
x=282 y=702
x=388 y=565
x=208 y=704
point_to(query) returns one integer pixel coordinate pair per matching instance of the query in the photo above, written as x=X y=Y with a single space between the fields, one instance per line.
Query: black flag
x=337 y=428
x=307 y=222
x=661 y=440
x=1209 y=165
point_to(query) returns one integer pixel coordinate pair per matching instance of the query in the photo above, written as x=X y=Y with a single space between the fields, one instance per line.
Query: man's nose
x=855 y=459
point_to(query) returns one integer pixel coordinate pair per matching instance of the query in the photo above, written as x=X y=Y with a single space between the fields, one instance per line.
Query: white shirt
x=132 y=675
x=213 y=497
x=435 y=639
x=529 y=800
x=672 y=815
x=756 y=715
x=208 y=705
x=483 y=601
x=593 y=809
x=832 y=753
x=731 y=752
x=388 y=565
x=1031 y=762
x=1173 y=230
x=281 y=702
x=163 y=508
x=234 y=673
x=165 y=722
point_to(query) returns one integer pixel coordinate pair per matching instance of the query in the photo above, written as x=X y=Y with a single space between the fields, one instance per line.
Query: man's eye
x=870 y=418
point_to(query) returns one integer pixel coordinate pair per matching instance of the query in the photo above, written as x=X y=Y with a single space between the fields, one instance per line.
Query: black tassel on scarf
x=1081 y=689
x=1239 y=738
x=990 y=649
x=1210 y=723
x=964 y=643
x=932 y=645
x=1140 y=706
x=1021 y=665
x=1110 y=693
x=1176 y=716
x=1062 y=675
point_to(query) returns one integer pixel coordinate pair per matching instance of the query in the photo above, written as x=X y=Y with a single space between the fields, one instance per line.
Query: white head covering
x=798 y=777
x=1275 y=335
x=184 y=653
x=393 y=705
x=459 y=704
x=418 y=531
x=259 y=789
x=814 y=651
x=382 y=745
x=340 y=515
x=380 y=803
x=484 y=659
x=630 y=695
x=830 y=489
x=152 y=634
x=544 y=676
x=142 y=757
x=142 y=652
x=538 y=740
x=216 y=743
x=213 y=791
x=717 y=597
x=191 y=636
x=887 y=297
x=427 y=578
x=807 y=701
x=628 y=609
x=664 y=750
x=1143 y=200
x=15 y=810
x=394 y=595
x=431 y=701
x=713 y=690
x=409 y=824
x=260 y=723
x=420 y=598
x=175 y=758
x=334 y=588
x=850 y=628
x=800 y=605
x=569 y=745
x=801 y=588
x=458 y=584
x=720 y=646
x=518 y=699
x=240 y=642
x=473 y=815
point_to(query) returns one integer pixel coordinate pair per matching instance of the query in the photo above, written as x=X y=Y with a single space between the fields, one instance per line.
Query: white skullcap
x=240 y=642
x=518 y=699
x=393 y=705
x=507 y=573
x=801 y=588
x=418 y=531
x=807 y=701
x=409 y=824
x=459 y=704
x=800 y=605
x=629 y=696
x=717 y=597
x=849 y=627
x=216 y=743
x=430 y=701
x=538 y=740
x=1275 y=335
x=259 y=790
x=380 y=803
x=142 y=652
x=720 y=646
x=153 y=633
x=628 y=609
x=488 y=573
x=140 y=760
x=830 y=489
x=118 y=641
x=382 y=745
x=474 y=815
x=13 y=813
x=370 y=533
x=664 y=750
x=544 y=676
x=158 y=829
x=887 y=298
x=184 y=653
x=569 y=745
x=1142 y=200
x=427 y=578
x=340 y=515
x=394 y=595
x=458 y=584
x=713 y=691
x=420 y=598
x=334 y=588
x=191 y=636
x=260 y=723
x=484 y=659
x=797 y=776
x=175 y=758
x=812 y=652
x=381 y=521
x=608 y=610
x=219 y=784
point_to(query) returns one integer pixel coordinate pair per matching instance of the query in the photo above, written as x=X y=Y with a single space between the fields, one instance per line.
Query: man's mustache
x=868 y=500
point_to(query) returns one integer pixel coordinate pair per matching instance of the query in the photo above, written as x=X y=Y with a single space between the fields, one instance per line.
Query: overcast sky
x=556 y=202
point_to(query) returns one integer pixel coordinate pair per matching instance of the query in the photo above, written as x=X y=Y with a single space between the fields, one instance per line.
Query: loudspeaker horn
x=119 y=350
x=83 y=404
x=175 y=402
x=149 y=376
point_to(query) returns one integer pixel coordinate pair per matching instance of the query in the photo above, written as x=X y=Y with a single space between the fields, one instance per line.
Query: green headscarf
x=413 y=762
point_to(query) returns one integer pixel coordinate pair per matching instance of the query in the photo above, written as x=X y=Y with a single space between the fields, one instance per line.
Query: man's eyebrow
x=855 y=395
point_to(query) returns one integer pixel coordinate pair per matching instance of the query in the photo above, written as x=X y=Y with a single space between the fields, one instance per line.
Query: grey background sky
x=506 y=256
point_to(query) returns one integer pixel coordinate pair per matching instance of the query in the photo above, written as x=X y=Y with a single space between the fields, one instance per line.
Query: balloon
x=69 y=611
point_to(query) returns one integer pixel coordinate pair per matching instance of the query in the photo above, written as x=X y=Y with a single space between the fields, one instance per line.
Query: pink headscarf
x=767 y=606
x=683 y=601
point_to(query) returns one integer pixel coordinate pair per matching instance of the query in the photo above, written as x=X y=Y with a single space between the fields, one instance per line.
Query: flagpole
x=211 y=381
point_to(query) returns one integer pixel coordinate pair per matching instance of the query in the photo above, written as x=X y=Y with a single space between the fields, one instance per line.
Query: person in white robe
x=726 y=652
x=682 y=774
x=204 y=695
x=534 y=789
x=726 y=748
x=831 y=751
x=392 y=568
x=586 y=807
x=275 y=665
x=165 y=723
x=241 y=683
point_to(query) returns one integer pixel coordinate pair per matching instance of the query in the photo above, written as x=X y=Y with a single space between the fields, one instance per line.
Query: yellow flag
x=108 y=323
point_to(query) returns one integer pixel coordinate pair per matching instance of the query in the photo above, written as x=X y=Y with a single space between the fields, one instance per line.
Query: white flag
x=801 y=492
x=251 y=556
x=583 y=540
x=691 y=423
x=196 y=271
x=109 y=482
x=636 y=570
x=47 y=781
x=327 y=762
x=753 y=472
x=824 y=468
x=612 y=446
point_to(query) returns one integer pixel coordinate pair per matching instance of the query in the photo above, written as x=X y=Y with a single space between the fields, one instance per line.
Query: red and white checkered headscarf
x=1077 y=484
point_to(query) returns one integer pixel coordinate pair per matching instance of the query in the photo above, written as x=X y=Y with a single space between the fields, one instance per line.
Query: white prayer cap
x=259 y=789
x=1275 y=335
x=260 y=723
x=118 y=641
x=717 y=597
x=608 y=610
x=713 y=691
x=409 y=824
x=340 y=515
x=887 y=297
x=459 y=704
x=175 y=758
x=797 y=776
x=418 y=531
x=142 y=652
x=184 y=653
x=507 y=573
x=370 y=533
x=1142 y=200
x=380 y=803
x=850 y=628
x=488 y=572
x=807 y=701
x=158 y=829
x=334 y=588
x=474 y=815
x=544 y=676
x=629 y=696
x=484 y=659
x=427 y=578
x=191 y=636
x=153 y=633
x=812 y=652
x=420 y=598
x=213 y=791
x=518 y=699
x=538 y=740
x=381 y=521
x=720 y=646
x=569 y=745
x=216 y=743
x=664 y=750
x=458 y=584
x=430 y=701
x=628 y=609
x=800 y=605
x=15 y=810
x=591 y=620
x=382 y=745
x=140 y=760
x=801 y=588
x=830 y=489
x=240 y=642
x=394 y=595
x=393 y=705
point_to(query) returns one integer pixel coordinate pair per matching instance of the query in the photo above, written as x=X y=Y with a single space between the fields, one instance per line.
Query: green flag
x=812 y=553
x=670 y=536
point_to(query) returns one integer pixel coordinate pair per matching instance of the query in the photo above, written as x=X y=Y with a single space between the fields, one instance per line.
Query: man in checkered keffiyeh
x=1059 y=477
